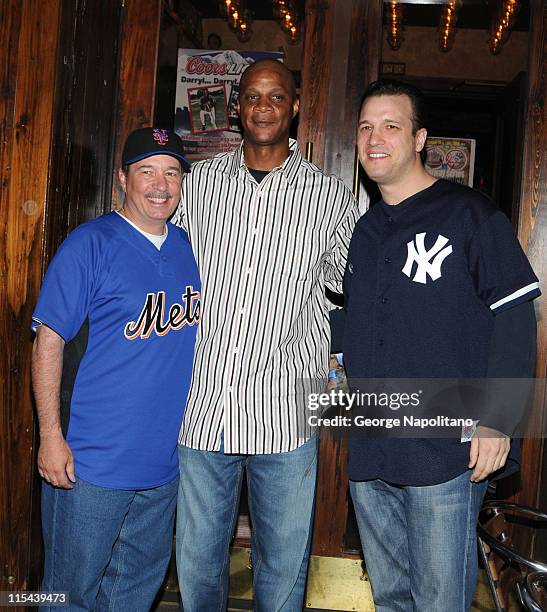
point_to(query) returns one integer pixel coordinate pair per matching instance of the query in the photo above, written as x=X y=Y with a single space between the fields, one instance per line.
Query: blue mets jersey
x=142 y=305
x=423 y=283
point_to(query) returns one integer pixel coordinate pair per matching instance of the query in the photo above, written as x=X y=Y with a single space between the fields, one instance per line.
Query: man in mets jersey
x=437 y=286
x=110 y=476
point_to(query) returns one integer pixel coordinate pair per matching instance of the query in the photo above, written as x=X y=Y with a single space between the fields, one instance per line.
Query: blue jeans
x=419 y=543
x=281 y=500
x=109 y=548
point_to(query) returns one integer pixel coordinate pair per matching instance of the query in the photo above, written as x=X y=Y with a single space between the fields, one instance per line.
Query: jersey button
x=383 y=300
x=380 y=343
x=387 y=259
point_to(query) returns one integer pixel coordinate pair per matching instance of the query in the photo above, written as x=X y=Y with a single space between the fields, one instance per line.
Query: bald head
x=269 y=64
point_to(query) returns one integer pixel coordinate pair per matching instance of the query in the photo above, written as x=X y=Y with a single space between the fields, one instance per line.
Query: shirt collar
x=289 y=169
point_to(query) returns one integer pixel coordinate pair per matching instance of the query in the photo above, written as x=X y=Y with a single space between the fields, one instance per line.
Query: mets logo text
x=152 y=316
x=160 y=136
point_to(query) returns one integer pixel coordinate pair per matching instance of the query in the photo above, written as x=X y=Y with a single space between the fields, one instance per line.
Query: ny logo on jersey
x=429 y=262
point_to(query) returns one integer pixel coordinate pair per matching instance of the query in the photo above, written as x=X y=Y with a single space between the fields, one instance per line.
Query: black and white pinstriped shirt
x=265 y=254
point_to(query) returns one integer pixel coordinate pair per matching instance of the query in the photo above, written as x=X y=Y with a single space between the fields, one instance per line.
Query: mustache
x=163 y=195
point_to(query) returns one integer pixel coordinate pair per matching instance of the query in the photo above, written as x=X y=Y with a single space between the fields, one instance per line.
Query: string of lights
x=288 y=18
x=395 y=24
x=449 y=17
x=503 y=25
x=239 y=19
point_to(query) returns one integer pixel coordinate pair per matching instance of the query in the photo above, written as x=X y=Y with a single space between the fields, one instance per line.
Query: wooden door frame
x=30 y=38
x=532 y=233
x=342 y=45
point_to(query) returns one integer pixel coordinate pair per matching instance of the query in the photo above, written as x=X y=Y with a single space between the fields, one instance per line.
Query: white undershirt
x=156 y=240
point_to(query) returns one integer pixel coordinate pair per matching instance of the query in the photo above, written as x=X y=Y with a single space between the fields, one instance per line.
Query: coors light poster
x=205 y=103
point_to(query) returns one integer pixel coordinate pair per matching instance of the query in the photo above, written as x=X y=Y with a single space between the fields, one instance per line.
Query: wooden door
x=29 y=39
x=76 y=78
x=512 y=108
x=527 y=489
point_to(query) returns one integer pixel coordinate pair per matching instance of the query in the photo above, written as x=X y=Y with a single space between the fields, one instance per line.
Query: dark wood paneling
x=507 y=187
x=316 y=74
x=528 y=487
x=541 y=541
x=138 y=70
x=28 y=37
x=332 y=498
x=341 y=55
x=533 y=236
x=84 y=121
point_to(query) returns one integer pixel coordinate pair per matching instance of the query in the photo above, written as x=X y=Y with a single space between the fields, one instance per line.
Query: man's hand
x=488 y=453
x=55 y=461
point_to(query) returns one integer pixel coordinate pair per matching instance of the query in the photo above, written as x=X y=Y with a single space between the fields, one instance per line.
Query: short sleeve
x=501 y=272
x=65 y=296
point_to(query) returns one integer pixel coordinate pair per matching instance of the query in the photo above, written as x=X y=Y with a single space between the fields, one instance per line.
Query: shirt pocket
x=302 y=254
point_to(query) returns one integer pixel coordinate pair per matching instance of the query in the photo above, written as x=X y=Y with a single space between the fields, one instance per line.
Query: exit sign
x=394 y=68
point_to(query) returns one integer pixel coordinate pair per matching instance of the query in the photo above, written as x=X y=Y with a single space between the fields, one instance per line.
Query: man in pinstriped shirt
x=269 y=231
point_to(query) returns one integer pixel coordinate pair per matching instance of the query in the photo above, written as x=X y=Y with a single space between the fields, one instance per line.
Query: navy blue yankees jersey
x=423 y=283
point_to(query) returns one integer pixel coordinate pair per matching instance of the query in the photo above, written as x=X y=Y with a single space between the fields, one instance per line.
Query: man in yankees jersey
x=110 y=468
x=436 y=286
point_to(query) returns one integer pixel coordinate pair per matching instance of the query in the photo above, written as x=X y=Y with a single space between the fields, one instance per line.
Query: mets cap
x=145 y=142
